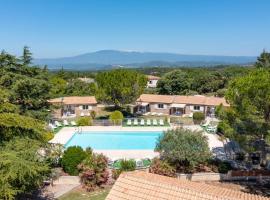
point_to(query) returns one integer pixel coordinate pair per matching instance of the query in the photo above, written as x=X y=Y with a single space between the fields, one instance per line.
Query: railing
x=106 y=122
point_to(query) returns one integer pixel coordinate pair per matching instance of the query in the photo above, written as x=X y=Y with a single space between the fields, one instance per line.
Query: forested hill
x=113 y=58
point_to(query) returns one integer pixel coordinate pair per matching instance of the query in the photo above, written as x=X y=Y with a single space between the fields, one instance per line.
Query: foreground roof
x=142 y=185
x=196 y=99
x=73 y=100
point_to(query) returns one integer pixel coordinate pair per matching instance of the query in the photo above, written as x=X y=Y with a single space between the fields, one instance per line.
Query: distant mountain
x=111 y=58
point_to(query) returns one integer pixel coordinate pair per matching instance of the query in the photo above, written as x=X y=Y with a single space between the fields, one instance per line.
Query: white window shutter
x=164 y=106
x=80 y=107
x=90 y=108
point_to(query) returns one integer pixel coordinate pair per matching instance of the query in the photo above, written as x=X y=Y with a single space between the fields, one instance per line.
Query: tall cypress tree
x=27 y=56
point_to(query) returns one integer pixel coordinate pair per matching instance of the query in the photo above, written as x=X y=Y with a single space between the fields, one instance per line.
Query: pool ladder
x=78 y=130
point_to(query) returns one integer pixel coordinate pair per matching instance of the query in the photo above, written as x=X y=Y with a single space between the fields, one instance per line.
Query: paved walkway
x=213 y=139
x=63 y=185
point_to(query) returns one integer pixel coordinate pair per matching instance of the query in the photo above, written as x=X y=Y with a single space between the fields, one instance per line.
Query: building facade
x=152 y=81
x=74 y=106
x=178 y=105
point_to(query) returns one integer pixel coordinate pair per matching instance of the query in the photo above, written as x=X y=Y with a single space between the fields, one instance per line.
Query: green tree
x=22 y=169
x=15 y=125
x=248 y=118
x=174 y=82
x=120 y=86
x=183 y=148
x=116 y=117
x=31 y=94
x=263 y=61
x=206 y=82
x=58 y=87
x=27 y=56
x=72 y=157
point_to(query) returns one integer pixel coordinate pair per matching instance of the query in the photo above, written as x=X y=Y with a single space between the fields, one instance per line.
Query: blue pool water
x=116 y=140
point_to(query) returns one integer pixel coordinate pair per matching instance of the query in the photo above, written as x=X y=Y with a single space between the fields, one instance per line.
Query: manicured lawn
x=79 y=194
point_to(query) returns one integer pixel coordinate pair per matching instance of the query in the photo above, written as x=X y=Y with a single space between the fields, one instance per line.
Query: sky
x=60 y=28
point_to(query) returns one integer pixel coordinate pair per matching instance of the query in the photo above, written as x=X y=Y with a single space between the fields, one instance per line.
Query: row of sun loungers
x=58 y=124
x=148 y=122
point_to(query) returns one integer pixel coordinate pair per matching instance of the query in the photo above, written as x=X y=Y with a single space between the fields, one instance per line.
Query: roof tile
x=146 y=186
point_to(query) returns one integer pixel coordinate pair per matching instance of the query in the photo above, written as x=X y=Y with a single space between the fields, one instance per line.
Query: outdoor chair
x=155 y=122
x=58 y=124
x=129 y=122
x=148 y=122
x=135 y=123
x=142 y=122
x=161 y=122
x=73 y=123
x=66 y=123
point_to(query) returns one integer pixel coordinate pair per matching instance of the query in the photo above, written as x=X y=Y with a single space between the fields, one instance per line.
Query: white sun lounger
x=148 y=113
x=66 y=123
x=161 y=122
x=155 y=122
x=148 y=122
x=73 y=123
x=129 y=122
x=58 y=124
x=207 y=123
x=52 y=126
x=142 y=122
x=135 y=123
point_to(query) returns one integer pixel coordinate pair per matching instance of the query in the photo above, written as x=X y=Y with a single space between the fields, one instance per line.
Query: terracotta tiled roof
x=201 y=100
x=153 y=98
x=150 y=77
x=197 y=99
x=147 y=186
x=74 y=100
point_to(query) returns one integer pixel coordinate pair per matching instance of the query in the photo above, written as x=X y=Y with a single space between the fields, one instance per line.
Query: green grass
x=83 y=195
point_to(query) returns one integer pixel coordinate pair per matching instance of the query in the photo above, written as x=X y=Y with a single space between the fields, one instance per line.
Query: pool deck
x=64 y=135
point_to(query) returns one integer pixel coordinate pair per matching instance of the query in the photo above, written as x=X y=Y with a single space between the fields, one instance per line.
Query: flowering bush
x=93 y=171
x=162 y=168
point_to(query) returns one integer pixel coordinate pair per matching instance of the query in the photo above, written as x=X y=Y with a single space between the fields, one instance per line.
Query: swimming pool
x=116 y=140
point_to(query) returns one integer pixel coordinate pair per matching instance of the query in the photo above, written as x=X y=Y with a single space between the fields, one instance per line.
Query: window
x=160 y=106
x=150 y=82
x=85 y=107
x=196 y=108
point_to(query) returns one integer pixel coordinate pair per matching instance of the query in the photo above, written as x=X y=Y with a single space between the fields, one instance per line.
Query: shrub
x=162 y=168
x=116 y=173
x=72 y=157
x=198 y=117
x=84 y=121
x=183 y=148
x=93 y=114
x=224 y=167
x=93 y=171
x=116 y=117
x=125 y=165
